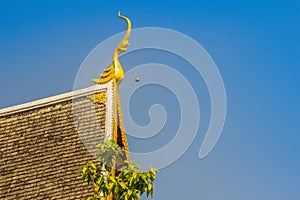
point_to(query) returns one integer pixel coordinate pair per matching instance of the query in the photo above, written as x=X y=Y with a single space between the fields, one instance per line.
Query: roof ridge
x=52 y=100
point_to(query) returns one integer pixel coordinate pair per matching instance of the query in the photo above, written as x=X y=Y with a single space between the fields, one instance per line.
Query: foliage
x=128 y=182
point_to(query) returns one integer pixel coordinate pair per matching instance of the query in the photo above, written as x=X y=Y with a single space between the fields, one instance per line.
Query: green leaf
x=150 y=187
x=134 y=175
x=129 y=192
x=123 y=185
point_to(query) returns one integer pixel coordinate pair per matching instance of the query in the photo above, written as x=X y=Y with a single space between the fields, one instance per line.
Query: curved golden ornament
x=115 y=70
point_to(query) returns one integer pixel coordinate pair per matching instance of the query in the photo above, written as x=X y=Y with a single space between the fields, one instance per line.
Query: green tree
x=126 y=182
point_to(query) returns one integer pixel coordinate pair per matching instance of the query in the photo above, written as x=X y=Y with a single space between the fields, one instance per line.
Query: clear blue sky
x=255 y=44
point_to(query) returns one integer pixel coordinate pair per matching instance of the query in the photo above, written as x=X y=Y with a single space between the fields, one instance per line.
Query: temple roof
x=43 y=143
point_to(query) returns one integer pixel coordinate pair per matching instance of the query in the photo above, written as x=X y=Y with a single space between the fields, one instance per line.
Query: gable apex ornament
x=114 y=74
x=115 y=71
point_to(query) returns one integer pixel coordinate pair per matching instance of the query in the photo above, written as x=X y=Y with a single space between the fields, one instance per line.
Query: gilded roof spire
x=115 y=70
x=115 y=74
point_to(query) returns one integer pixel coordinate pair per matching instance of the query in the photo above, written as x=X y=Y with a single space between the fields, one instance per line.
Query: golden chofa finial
x=115 y=70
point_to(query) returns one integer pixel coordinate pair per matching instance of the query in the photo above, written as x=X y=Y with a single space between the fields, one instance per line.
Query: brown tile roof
x=41 y=151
